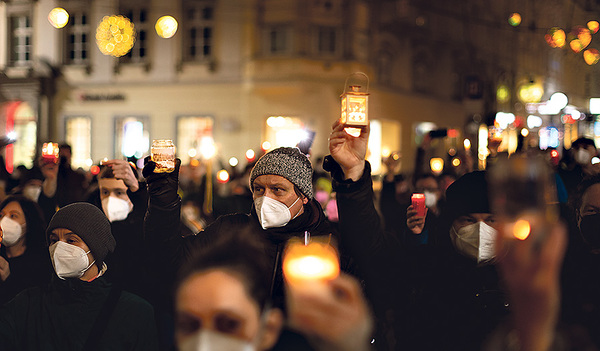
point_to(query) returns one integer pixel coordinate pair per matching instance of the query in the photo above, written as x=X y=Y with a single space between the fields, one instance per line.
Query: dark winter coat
x=60 y=316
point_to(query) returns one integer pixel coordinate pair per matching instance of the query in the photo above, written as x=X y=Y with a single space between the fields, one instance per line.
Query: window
x=193 y=135
x=139 y=17
x=278 y=40
x=326 y=40
x=77 y=38
x=20 y=39
x=199 y=24
x=78 y=134
x=132 y=138
x=21 y=122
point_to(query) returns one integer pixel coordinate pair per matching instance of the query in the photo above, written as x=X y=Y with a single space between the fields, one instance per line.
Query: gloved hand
x=162 y=187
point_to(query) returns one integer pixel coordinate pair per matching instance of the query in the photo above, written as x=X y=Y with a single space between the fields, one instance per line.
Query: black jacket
x=60 y=316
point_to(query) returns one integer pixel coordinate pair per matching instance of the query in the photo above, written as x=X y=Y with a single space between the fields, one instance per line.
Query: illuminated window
x=77 y=38
x=285 y=131
x=198 y=28
x=192 y=134
x=21 y=39
x=132 y=138
x=78 y=132
x=24 y=126
x=139 y=16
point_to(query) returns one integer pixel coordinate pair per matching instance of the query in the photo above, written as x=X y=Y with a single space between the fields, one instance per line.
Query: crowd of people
x=130 y=259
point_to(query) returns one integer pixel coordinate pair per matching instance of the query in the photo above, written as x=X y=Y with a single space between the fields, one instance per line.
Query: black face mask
x=590 y=230
x=63 y=160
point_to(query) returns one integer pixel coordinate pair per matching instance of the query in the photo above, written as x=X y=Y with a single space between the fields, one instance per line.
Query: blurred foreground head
x=222 y=298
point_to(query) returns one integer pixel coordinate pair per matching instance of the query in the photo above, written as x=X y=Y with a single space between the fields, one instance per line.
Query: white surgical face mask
x=69 y=261
x=12 y=231
x=475 y=240
x=430 y=199
x=272 y=213
x=208 y=340
x=583 y=157
x=32 y=192
x=116 y=209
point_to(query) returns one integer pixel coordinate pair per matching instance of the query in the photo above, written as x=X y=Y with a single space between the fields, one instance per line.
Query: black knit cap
x=289 y=163
x=468 y=194
x=583 y=141
x=89 y=223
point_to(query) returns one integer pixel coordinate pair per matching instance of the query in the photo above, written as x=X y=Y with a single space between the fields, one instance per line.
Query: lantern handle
x=353 y=74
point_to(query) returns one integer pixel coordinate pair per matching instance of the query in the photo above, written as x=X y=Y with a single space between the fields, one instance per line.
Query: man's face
x=113 y=187
x=278 y=188
x=590 y=202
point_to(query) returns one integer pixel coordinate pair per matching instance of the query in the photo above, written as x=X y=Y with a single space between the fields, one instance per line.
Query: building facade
x=241 y=72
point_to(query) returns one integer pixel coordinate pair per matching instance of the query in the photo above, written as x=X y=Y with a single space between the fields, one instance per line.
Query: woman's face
x=13 y=211
x=216 y=300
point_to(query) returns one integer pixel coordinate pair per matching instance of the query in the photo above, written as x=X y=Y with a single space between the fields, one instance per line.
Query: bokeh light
x=437 y=165
x=593 y=26
x=166 y=27
x=233 y=161
x=579 y=38
x=58 y=17
x=265 y=146
x=591 y=56
x=525 y=132
x=514 y=19
x=115 y=35
x=556 y=37
x=250 y=155
x=456 y=162
x=223 y=176
x=521 y=229
x=502 y=93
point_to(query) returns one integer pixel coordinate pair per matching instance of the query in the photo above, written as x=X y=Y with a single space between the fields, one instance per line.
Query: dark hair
x=583 y=186
x=106 y=173
x=239 y=253
x=35 y=224
x=420 y=176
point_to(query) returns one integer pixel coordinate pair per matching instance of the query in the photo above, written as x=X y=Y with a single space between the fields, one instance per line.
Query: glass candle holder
x=163 y=154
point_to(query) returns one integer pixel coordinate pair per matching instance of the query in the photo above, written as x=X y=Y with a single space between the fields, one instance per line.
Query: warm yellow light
x=524 y=132
x=166 y=27
x=355 y=106
x=467 y=144
x=355 y=132
x=194 y=162
x=437 y=165
x=265 y=145
x=593 y=26
x=233 y=162
x=115 y=35
x=192 y=152
x=315 y=261
x=250 y=155
x=385 y=152
x=58 y=17
x=591 y=56
x=521 y=229
x=514 y=19
x=223 y=176
x=456 y=162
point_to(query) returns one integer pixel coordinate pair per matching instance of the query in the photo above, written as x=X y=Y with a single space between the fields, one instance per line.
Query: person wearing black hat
x=78 y=310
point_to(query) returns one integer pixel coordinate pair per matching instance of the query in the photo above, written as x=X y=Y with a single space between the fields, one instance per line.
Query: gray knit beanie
x=89 y=223
x=289 y=163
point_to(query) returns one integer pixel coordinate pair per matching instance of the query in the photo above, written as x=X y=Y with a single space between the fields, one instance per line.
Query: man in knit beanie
x=84 y=226
x=281 y=183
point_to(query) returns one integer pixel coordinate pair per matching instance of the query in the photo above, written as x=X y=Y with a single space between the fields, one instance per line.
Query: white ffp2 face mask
x=272 y=213
x=32 y=192
x=475 y=240
x=116 y=209
x=69 y=261
x=208 y=340
x=12 y=231
x=430 y=199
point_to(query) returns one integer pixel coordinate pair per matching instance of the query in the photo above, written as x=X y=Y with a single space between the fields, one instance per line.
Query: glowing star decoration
x=591 y=56
x=593 y=26
x=514 y=19
x=58 y=17
x=166 y=27
x=556 y=37
x=115 y=36
x=579 y=38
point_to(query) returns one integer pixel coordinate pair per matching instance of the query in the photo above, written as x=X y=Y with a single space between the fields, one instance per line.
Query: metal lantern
x=355 y=104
